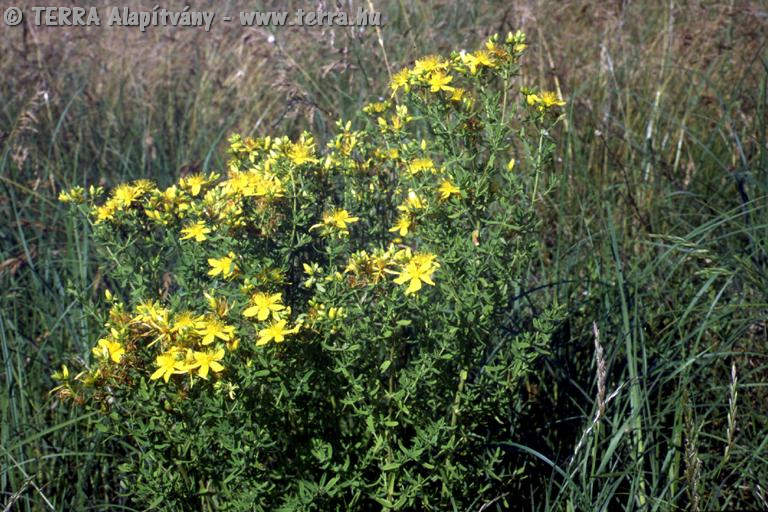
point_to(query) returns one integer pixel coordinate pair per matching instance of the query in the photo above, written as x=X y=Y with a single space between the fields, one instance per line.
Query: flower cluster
x=184 y=343
x=438 y=75
x=269 y=180
x=544 y=100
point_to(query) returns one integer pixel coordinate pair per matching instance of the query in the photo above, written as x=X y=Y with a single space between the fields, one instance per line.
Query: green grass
x=656 y=232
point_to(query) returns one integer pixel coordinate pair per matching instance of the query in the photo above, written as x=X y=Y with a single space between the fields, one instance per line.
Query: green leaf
x=383 y=502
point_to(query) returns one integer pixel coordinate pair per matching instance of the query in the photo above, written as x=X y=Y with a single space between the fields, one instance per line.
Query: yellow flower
x=302 y=151
x=198 y=231
x=549 y=99
x=458 y=94
x=429 y=64
x=438 y=81
x=276 y=332
x=480 y=58
x=151 y=312
x=412 y=202
x=337 y=219
x=378 y=107
x=402 y=225
x=204 y=361
x=167 y=365
x=258 y=183
x=425 y=259
x=193 y=184
x=340 y=219
x=264 y=305
x=184 y=322
x=511 y=165
x=417 y=271
x=171 y=195
x=366 y=268
x=125 y=194
x=420 y=164
x=105 y=211
x=483 y=58
x=400 y=80
x=224 y=266
x=233 y=344
x=109 y=349
x=447 y=189
x=212 y=328
x=544 y=100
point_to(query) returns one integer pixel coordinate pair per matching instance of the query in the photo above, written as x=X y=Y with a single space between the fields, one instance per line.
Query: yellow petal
x=251 y=311
x=402 y=278
x=413 y=287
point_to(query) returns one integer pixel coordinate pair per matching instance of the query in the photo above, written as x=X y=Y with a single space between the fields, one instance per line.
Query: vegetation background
x=655 y=395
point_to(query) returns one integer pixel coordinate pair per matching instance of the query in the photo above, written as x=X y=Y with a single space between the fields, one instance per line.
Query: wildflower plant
x=331 y=326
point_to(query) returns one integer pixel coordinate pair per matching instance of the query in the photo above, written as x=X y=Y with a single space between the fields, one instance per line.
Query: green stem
x=391 y=387
x=538 y=168
x=504 y=100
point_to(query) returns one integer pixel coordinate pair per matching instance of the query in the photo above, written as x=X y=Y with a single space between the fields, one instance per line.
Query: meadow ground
x=655 y=237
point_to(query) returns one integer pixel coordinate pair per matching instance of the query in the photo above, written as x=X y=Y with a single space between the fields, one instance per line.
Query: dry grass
x=639 y=74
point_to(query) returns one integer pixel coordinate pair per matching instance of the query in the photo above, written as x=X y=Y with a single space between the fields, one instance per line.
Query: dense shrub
x=331 y=328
